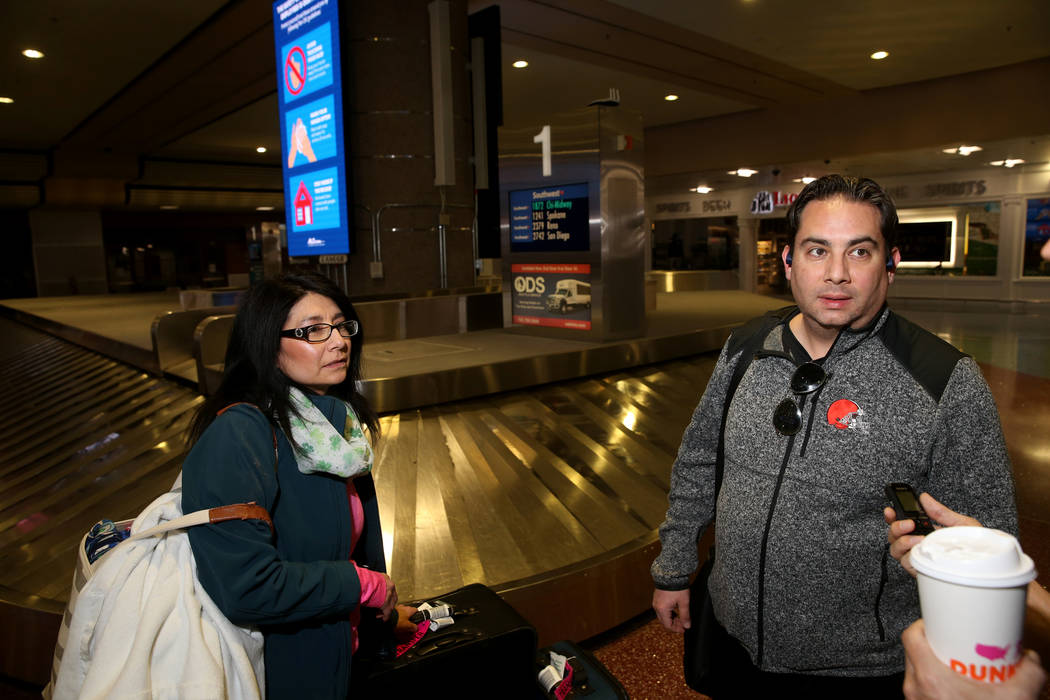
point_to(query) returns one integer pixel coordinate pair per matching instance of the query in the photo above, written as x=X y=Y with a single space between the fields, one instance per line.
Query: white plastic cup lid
x=973 y=556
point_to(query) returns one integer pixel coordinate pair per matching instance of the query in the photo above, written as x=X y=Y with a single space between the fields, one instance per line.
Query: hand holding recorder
x=902 y=521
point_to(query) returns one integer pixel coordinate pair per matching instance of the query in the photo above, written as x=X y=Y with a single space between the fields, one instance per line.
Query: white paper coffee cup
x=972 y=589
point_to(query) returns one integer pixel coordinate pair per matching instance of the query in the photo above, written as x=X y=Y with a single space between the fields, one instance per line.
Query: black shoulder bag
x=705 y=633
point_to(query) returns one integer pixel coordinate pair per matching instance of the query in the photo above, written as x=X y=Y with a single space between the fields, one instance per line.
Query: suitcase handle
x=443 y=642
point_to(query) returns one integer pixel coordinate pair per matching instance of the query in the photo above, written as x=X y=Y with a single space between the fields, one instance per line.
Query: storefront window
x=771 y=240
x=1036 y=234
x=696 y=244
x=959 y=240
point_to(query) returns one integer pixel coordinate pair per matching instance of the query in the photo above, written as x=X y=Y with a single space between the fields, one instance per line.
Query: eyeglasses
x=809 y=377
x=320 y=332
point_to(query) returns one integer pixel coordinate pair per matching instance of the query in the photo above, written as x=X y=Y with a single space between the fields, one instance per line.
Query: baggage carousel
x=546 y=479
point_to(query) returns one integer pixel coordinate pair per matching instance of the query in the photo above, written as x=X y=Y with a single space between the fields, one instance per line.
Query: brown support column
x=390 y=147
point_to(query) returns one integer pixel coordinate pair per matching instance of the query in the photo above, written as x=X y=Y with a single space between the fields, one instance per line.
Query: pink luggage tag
x=421 y=629
x=565 y=687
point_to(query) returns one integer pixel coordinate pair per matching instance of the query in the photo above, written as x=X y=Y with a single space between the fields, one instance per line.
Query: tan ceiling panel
x=833 y=39
x=528 y=98
x=607 y=34
x=876 y=121
x=226 y=63
x=92 y=51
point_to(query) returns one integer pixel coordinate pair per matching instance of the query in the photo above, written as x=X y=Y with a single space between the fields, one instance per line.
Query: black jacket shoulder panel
x=760 y=325
x=929 y=359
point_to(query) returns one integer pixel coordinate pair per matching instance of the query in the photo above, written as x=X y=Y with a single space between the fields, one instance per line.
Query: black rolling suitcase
x=591 y=680
x=487 y=653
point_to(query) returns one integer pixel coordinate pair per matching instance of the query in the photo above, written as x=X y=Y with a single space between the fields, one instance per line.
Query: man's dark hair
x=853 y=189
x=251 y=373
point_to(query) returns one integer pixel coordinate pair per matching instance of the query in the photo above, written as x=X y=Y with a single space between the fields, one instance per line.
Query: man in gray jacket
x=842 y=397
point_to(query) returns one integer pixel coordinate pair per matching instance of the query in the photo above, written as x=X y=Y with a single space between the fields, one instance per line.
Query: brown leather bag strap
x=240 y=511
x=237 y=511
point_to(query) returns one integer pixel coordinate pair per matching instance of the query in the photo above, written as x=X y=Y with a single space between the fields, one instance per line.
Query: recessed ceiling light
x=963 y=150
x=670 y=98
x=169 y=207
x=703 y=189
x=6 y=100
x=33 y=53
x=260 y=149
x=264 y=208
x=1008 y=163
x=804 y=180
x=743 y=172
x=520 y=64
x=879 y=55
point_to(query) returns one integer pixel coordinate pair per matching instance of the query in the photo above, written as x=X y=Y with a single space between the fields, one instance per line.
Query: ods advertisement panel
x=556 y=295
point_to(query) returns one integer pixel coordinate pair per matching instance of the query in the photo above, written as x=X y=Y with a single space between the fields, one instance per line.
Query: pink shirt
x=373 y=583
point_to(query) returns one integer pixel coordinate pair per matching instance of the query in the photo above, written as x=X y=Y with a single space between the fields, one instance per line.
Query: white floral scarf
x=322 y=448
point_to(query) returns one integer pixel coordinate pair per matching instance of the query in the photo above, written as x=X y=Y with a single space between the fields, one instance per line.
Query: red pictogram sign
x=304 y=206
x=295 y=70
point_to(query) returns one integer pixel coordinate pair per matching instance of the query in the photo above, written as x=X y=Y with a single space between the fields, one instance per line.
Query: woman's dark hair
x=251 y=374
x=853 y=189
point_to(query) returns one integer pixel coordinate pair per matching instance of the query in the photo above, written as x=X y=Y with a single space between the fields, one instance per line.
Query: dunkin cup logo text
x=989 y=672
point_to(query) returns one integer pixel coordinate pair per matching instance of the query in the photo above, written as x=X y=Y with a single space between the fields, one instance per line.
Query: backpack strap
x=746 y=341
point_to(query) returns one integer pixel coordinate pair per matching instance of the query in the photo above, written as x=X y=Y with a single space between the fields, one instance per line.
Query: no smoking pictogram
x=295 y=70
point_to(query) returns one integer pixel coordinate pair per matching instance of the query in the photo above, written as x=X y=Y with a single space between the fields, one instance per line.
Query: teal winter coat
x=296 y=584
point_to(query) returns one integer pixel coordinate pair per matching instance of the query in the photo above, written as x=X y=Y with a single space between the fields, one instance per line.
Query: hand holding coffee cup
x=972 y=587
x=926 y=678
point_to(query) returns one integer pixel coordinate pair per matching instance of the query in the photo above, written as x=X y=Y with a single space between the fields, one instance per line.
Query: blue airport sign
x=309 y=93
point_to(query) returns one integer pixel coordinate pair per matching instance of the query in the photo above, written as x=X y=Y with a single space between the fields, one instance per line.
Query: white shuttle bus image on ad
x=568 y=295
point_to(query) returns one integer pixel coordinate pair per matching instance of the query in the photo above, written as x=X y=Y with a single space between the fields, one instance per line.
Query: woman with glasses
x=288 y=429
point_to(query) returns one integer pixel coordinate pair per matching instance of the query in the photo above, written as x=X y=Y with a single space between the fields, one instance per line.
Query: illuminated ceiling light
x=260 y=149
x=963 y=150
x=264 y=208
x=670 y=98
x=879 y=55
x=703 y=189
x=33 y=53
x=6 y=101
x=520 y=64
x=1008 y=163
x=169 y=207
x=804 y=180
x=743 y=172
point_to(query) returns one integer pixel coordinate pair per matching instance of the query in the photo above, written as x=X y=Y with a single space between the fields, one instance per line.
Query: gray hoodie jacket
x=802 y=574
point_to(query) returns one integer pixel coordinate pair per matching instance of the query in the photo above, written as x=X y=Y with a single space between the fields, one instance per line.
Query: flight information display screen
x=550 y=219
